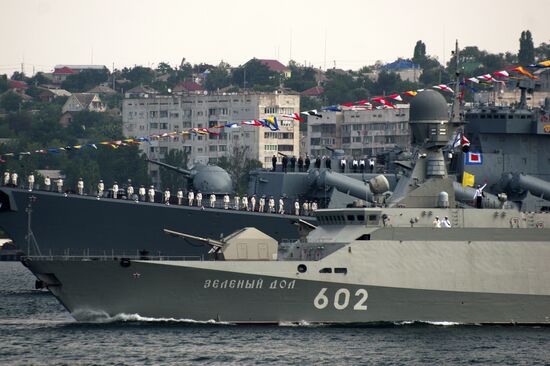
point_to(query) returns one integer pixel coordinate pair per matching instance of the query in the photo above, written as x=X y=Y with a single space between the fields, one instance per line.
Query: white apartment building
x=146 y=113
x=362 y=133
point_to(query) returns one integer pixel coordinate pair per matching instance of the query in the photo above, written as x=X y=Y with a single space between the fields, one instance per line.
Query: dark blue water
x=35 y=329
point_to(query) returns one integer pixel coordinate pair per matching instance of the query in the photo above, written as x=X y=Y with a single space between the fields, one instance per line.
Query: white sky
x=43 y=33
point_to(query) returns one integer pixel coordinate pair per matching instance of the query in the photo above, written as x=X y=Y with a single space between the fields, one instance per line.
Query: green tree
x=138 y=75
x=526 y=53
x=4 y=85
x=542 y=52
x=11 y=102
x=239 y=166
x=164 y=68
x=302 y=78
x=169 y=178
x=419 y=54
x=218 y=78
x=85 y=80
x=255 y=75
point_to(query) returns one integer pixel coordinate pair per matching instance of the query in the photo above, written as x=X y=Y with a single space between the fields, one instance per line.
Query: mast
x=455 y=109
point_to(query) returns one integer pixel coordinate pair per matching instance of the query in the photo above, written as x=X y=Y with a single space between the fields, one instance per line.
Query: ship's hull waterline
x=365 y=288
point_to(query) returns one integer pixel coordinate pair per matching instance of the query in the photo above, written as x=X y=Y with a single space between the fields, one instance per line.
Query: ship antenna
x=455 y=110
x=30 y=235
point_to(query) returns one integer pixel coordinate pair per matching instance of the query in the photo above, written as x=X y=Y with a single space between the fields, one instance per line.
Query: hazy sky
x=43 y=33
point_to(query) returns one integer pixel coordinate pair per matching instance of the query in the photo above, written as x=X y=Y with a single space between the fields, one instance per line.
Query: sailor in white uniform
x=167 y=197
x=226 y=201
x=212 y=200
x=151 y=193
x=80 y=186
x=191 y=197
x=30 y=180
x=100 y=189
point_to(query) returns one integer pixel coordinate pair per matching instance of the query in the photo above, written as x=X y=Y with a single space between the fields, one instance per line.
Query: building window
x=163 y=150
x=153 y=125
x=222 y=148
x=163 y=126
x=286 y=147
x=163 y=114
x=270 y=147
x=213 y=148
x=152 y=114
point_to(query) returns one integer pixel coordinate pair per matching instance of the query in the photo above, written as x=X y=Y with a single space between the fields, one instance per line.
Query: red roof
x=274 y=65
x=64 y=71
x=313 y=92
x=190 y=86
x=16 y=84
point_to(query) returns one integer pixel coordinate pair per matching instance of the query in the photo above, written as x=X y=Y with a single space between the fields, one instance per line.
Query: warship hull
x=375 y=281
x=76 y=224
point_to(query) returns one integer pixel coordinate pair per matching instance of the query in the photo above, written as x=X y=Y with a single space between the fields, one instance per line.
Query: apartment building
x=145 y=113
x=359 y=133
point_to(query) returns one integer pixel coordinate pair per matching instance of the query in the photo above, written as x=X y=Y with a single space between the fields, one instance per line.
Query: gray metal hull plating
x=436 y=285
x=82 y=223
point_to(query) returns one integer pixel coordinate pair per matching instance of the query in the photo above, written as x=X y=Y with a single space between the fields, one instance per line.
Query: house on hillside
x=188 y=87
x=407 y=70
x=140 y=92
x=276 y=66
x=48 y=95
x=62 y=72
x=315 y=92
x=79 y=102
x=101 y=90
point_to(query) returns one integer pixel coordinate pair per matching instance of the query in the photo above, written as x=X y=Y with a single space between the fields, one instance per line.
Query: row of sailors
x=239 y=203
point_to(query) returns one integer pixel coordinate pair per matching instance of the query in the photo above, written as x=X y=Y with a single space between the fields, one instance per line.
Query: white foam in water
x=301 y=323
x=94 y=316
x=440 y=323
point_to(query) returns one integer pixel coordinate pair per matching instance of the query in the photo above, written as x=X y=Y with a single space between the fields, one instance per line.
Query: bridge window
x=325 y=270
x=364 y=237
x=351 y=218
x=341 y=270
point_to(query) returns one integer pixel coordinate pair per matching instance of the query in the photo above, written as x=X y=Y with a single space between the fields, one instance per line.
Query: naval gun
x=205 y=178
x=245 y=244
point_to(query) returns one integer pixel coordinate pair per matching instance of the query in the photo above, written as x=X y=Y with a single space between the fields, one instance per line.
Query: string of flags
x=389 y=101
x=274 y=122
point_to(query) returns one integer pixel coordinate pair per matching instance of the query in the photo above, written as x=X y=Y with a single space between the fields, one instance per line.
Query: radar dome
x=429 y=105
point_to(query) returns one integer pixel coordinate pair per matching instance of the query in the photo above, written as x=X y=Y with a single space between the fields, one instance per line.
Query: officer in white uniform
x=115 y=190
x=151 y=194
x=48 y=183
x=167 y=196
x=314 y=206
x=199 y=199
x=297 y=207
x=141 y=193
x=253 y=203
x=261 y=208
x=6 y=177
x=100 y=188
x=14 y=179
x=60 y=185
x=245 y=202
x=212 y=200
x=30 y=180
x=237 y=201
x=190 y=197
x=80 y=186
x=226 y=201
x=305 y=207
x=179 y=196
x=271 y=205
x=281 y=206
x=129 y=191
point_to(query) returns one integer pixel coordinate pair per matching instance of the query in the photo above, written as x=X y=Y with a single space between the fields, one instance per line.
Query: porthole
x=302 y=268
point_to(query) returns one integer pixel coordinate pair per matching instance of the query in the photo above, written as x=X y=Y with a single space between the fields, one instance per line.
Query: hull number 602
x=341 y=299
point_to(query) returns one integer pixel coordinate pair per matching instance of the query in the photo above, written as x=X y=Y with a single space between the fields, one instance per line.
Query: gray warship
x=512 y=141
x=391 y=262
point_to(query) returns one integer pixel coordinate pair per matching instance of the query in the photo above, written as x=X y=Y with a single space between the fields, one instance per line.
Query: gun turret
x=205 y=178
x=186 y=173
